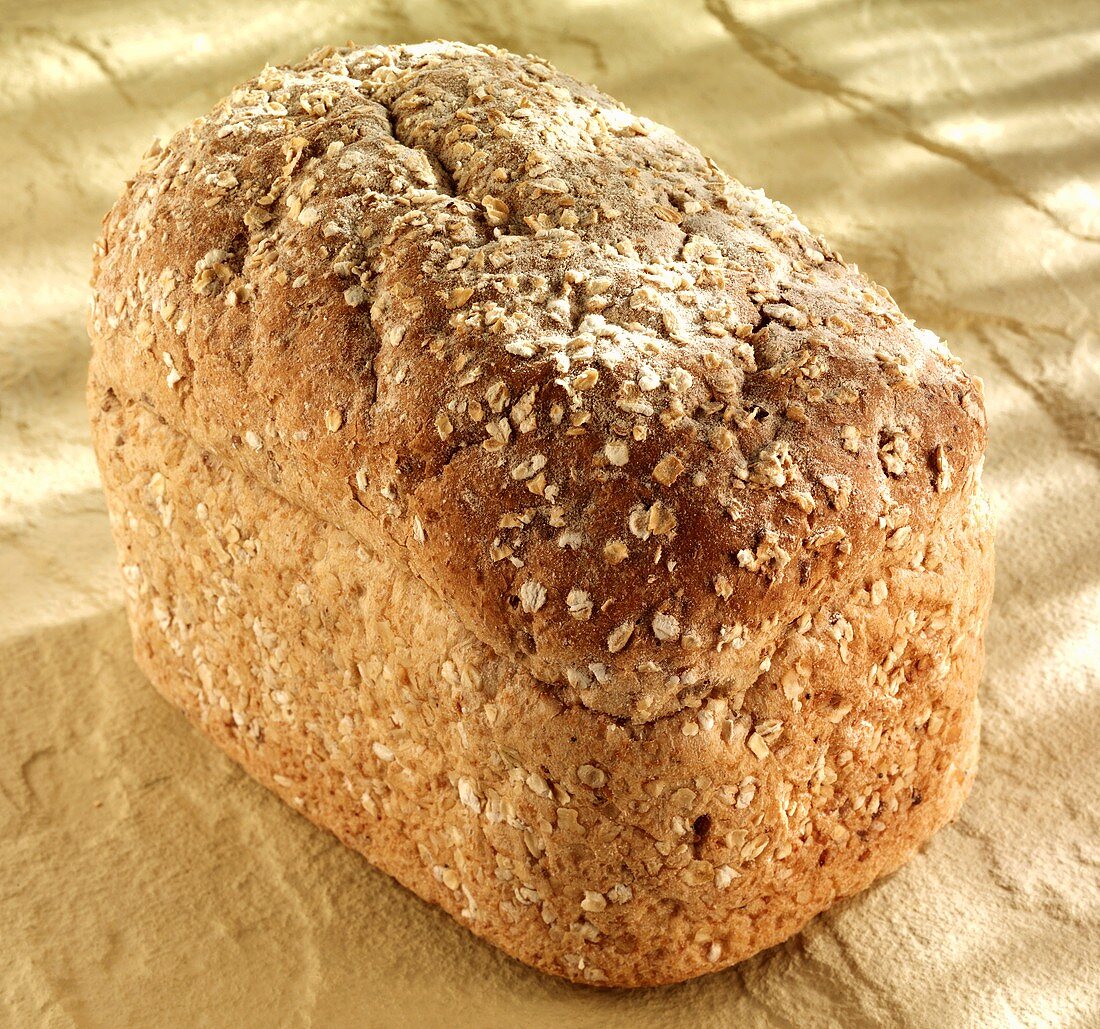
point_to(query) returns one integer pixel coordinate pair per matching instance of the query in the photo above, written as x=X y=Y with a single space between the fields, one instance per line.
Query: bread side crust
x=613 y=407
x=587 y=846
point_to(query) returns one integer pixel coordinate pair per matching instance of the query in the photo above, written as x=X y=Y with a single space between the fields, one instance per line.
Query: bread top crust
x=629 y=418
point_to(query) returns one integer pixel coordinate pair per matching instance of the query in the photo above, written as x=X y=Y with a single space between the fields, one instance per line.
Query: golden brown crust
x=630 y=420
x=533 y=506
x=604 y=851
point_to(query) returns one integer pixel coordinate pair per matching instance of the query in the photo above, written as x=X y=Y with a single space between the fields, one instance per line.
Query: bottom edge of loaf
x=609 y=854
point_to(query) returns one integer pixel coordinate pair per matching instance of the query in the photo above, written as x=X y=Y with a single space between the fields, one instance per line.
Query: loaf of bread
x=552 y=518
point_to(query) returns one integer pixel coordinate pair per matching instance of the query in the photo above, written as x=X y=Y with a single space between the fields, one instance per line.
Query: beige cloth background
x=952 y=149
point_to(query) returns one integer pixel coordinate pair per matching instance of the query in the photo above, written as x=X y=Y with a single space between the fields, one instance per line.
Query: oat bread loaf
x=552 y=518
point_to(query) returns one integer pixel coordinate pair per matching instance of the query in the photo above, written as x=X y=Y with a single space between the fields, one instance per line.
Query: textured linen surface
x=950 y=149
